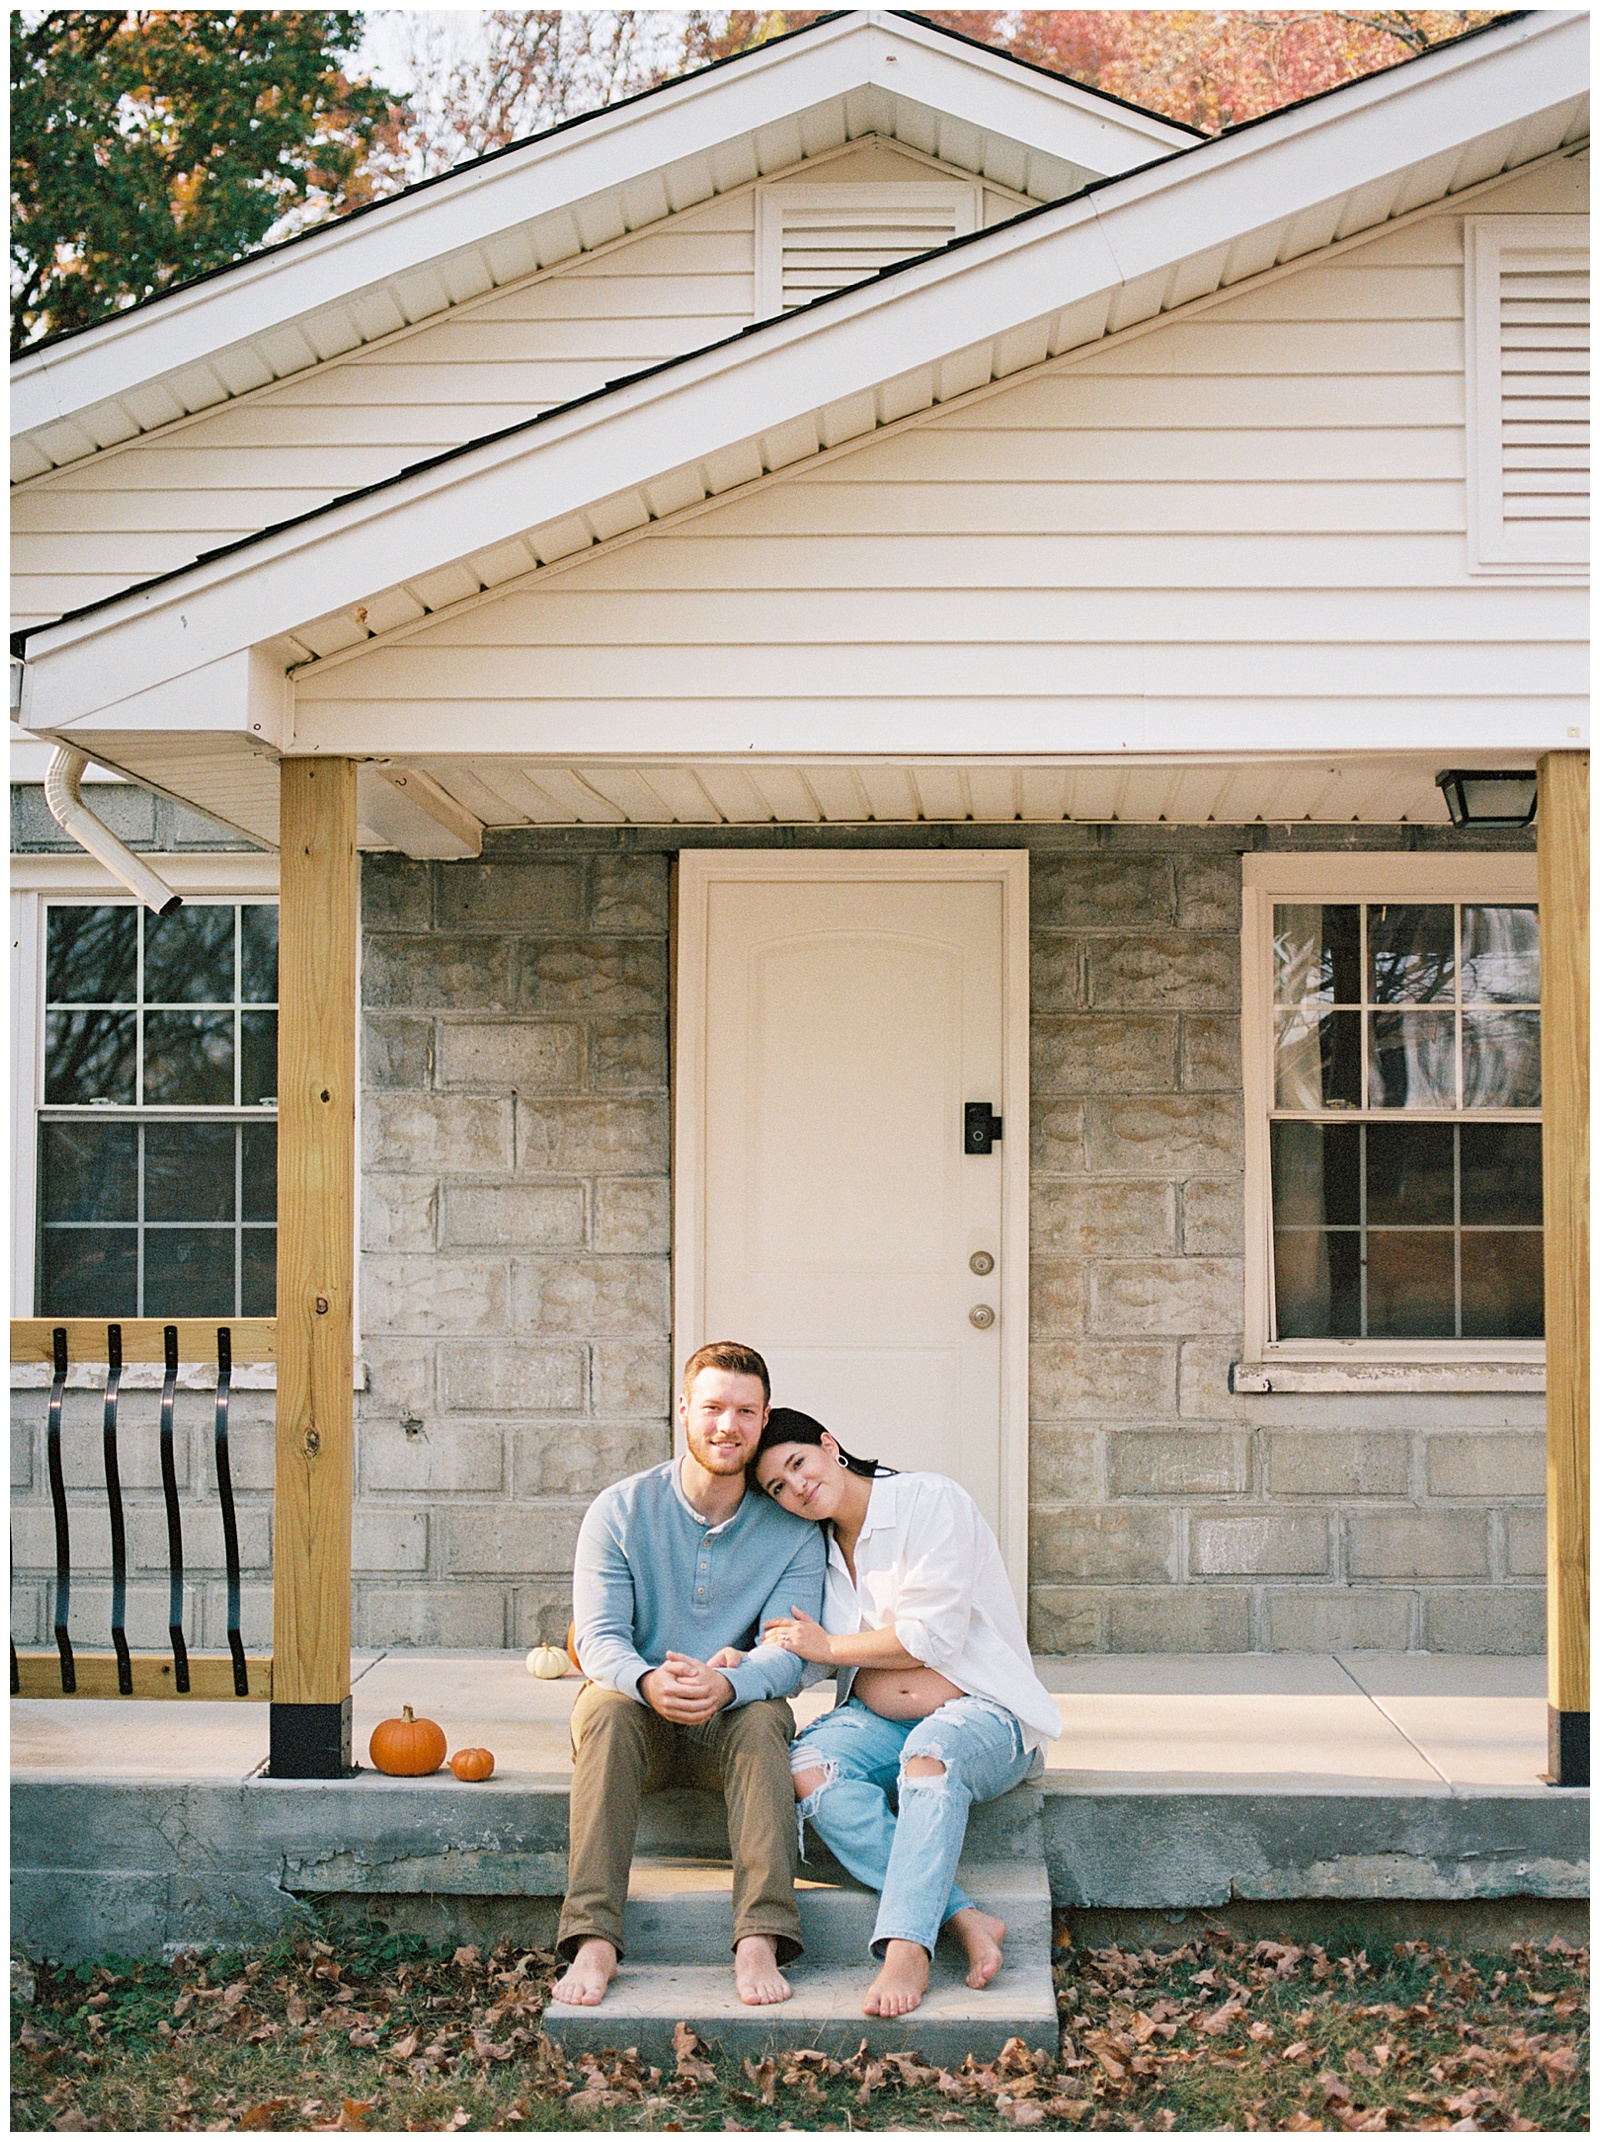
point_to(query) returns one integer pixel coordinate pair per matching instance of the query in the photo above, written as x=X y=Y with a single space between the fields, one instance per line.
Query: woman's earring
x=842 y=1459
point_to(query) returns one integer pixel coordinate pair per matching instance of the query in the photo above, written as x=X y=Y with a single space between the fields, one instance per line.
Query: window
x=1392 y=1039
x=1527 y=318
x=156 y=1099
x=815 y=238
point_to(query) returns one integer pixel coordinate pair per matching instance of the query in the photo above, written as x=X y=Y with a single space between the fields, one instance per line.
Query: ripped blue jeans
x=911 y=1859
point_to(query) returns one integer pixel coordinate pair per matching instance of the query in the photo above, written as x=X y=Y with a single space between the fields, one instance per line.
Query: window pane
x=88 y=1271
x=188 y=1058
x=1411 y=1284
x=1501 y=1175
x=258 y=1057
x=1502 y=1286
x=88 y=1171
x=260 y=1171
x=258 y=955
x=1319 y=1059
x=258 y=1288
x=1318 y=1285
x=1316 y=1174
x=188 y=1171
x=91 y=955
x=188 y=956
x=1412 y=951
x=1411 y=1174
x=1413 y=1060
x=188 y=1271
x=1316 y=955
x=1500 y=1059
x=1500 y=954
x=89 y=1056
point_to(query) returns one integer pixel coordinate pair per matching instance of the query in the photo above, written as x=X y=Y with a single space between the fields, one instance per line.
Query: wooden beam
x=318 y=904
x=210 y=1679
x=1563 y=822
x=32 y=1338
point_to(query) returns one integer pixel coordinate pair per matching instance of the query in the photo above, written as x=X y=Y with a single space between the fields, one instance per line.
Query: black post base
x=1569 y=1748
x=309 y=1740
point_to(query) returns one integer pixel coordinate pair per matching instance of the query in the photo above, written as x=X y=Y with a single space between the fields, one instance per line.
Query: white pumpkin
x=548 y=1661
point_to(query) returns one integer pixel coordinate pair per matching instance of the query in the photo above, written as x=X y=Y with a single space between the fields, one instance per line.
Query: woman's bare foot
x=983 y=1939
x=900 y=1985
x=756 y=1973
x=587 y=1976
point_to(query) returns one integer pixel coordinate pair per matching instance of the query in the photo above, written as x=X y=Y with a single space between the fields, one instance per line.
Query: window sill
x=147 y=1376
x=1356 y=1378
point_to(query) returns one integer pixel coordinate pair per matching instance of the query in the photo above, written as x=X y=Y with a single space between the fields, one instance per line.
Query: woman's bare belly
x=902 y=1692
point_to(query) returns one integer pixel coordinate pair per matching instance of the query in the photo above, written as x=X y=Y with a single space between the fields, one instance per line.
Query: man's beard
x=722 y=1459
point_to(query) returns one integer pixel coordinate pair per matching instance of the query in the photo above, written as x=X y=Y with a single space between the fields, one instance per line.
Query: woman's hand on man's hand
x=727 y=1656
x=806 y=1638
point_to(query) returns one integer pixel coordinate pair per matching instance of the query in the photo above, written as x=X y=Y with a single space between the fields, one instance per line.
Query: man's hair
x=733 y=1359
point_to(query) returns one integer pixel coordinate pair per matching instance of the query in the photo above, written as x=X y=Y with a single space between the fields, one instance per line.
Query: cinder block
x=590 y=1297
x=1166 y=967
x=1165 y=1134
x=396 y=1052
x=633 y=1379
x=1526 y=1537
x=434 y=1457
x=399 y=1378
x=511 y=1379
x=1060 y=1620
x=540 y=1613
x=1057 y=1137
x=1069 y=892
x=1260 y=1544
x=1203 y=1393
x=617 y=1137
x=513 y=1215
x=255 y=1618
x=1102 y=1217
x=29 y=1620
x=1084 y=1545
x=1056 y=1295
x=1338 y=1621
x=1061 y=1465
x=1337 y=1462
x=492 y=1541
x=145 y=1622
x=609 y=976
x=495 y=895
x=430 y=1133
x=1174 y=1296
x=629 y=892
x=1498 y=1619
x=33 y=1544
x=438 y=1294
x=1210 y=891
x=1184 y=1618
x=138 y=1441
x=1177 y=1461
x=580 y=1458
x=1056 y=975
x=446 y=1617
x=388 y=1539
x=1491 y=1464
x=399 y=1212
x=1209 y=1054
x=252 y=1451
x=202 y=1538
x=1091 y=1052
x=1418 y=1543
x=23 y=1437
x=1213 y=1216
x=627 y=1055
x=455 y=974
x=1087 y=1380
x=396 y=893
x=633 y=1214
x=510 y=1055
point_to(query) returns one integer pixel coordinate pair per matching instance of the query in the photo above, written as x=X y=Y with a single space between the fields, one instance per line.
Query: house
x=886 y=628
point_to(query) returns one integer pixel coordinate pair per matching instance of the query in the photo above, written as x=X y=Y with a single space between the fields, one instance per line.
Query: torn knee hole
x=922 y=1767
x=807 y=1782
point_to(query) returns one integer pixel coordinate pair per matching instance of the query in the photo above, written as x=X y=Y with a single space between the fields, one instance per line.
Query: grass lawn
x=386 y=2033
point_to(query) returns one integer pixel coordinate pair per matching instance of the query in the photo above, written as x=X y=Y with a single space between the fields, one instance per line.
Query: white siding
x=1261 y=505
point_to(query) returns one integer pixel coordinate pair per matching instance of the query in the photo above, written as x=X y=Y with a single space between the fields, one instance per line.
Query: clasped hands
x=687 y=1691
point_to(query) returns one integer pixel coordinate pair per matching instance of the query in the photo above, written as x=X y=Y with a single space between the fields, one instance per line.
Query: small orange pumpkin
x=572 y=1647
x=407 y=1747
x=472 y=1765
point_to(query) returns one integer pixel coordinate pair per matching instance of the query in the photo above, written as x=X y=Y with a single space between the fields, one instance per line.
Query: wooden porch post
x=318 y=895
x=1563 y=822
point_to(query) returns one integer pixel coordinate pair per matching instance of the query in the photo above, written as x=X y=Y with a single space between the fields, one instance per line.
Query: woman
x=937 y=1701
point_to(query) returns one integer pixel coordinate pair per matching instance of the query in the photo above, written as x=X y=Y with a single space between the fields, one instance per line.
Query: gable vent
x=814 y=239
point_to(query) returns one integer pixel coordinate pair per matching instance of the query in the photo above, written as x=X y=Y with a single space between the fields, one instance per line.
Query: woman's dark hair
x=785 y=1424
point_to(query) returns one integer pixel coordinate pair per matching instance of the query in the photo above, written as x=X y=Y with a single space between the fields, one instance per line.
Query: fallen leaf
x=265 y=2113
x=1023 y=2112
x=1334 y=2092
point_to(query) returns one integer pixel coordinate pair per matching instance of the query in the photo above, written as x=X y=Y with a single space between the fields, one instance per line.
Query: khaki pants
x=621 y=1750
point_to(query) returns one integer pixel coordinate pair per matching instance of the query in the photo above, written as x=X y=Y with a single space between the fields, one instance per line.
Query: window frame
x=1510 y=879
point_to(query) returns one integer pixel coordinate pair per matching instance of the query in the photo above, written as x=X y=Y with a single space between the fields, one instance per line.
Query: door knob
x=981 y=1315
x=980 y=1262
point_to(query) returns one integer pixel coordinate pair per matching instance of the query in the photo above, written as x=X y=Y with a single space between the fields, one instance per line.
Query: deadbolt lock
x=981 y=1315
x=980 y=1262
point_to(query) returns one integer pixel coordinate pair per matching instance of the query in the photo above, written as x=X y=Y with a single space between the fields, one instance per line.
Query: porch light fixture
x=1478 y=796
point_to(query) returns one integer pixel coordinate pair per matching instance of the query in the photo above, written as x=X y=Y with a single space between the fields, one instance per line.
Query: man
x=674 y=1566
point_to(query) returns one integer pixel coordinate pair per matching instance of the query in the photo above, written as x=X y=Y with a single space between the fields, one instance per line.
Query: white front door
x=837 y=1013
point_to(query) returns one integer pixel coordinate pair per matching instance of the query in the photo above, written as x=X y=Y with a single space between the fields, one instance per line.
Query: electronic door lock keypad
x=982 y=1129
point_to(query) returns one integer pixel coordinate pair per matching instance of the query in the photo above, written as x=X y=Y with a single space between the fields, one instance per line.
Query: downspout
x=64 y=796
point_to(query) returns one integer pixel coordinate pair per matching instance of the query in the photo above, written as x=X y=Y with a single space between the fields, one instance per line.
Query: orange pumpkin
x=572 y=1647
x=472 y=1765
x=407 y=1747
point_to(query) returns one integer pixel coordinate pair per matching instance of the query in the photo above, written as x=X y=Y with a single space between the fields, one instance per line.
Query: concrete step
x=679 y=1968
x=682 y=1824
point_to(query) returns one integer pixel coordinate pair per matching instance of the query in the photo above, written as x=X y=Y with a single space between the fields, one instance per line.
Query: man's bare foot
x=900 y=1985
x=756 y=1973
x=982 y=1938
x=587 y=1976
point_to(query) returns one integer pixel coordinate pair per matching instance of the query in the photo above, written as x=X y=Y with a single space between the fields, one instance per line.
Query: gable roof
x=415 y=254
